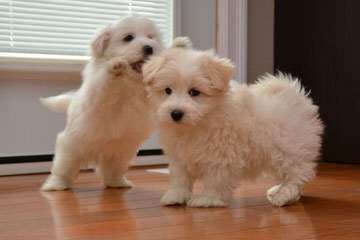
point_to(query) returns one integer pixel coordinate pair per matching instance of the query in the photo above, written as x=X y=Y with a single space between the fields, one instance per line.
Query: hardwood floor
x=329 y=209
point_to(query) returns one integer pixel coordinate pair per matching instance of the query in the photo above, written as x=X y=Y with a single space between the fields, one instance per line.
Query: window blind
x=65 y=27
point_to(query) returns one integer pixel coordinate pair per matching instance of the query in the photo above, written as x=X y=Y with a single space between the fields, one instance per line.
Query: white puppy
x=225 y=133
x=108 y=117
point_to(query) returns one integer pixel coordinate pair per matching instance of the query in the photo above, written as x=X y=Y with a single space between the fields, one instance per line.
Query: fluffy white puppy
x=223 y=133
x=108 y=117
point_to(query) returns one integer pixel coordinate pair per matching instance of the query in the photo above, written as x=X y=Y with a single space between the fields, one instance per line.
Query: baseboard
x=49 y=157
x=8 y=165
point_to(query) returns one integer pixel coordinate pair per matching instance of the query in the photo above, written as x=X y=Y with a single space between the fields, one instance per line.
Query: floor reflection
x=90 y=213
x=246 y=222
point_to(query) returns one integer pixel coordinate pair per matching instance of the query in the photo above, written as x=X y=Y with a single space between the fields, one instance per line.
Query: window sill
x=41 y=62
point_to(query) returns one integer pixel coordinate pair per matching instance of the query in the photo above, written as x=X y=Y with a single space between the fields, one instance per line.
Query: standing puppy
x=108 y=117
x=224 y=133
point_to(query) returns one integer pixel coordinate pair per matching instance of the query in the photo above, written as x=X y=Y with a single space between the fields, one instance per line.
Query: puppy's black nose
x=148 y=50
x=177 y=115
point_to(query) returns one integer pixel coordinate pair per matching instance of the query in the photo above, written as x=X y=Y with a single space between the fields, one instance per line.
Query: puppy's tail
x=59 y=103
x=182 y=42
x=281 y=83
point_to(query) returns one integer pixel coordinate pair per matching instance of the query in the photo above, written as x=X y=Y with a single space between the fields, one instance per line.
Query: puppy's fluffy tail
x=59 y=103
x=281 y=83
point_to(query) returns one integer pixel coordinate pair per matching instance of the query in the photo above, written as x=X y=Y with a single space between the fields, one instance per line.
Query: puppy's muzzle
x=177 y=115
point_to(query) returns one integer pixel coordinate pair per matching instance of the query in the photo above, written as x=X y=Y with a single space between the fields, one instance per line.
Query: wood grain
x=330 y=209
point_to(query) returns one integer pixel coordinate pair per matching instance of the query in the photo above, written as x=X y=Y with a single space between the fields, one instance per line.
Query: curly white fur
x=230 y=132
x=108 y=117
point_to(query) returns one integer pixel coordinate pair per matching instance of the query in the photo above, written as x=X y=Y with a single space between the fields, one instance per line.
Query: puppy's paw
x=205 y=201
x=55 y=183
x=283 y=195
x=119 y=182
x=176 y=197
x=117 y=66
x=182 y=42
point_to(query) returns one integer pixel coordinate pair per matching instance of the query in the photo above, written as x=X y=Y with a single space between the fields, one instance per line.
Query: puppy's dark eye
x=193 y=92
x=168 y=91
x=128 y=38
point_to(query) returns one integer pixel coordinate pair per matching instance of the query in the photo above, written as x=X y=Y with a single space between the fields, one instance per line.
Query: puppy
x=108 y=117
x=223 y=132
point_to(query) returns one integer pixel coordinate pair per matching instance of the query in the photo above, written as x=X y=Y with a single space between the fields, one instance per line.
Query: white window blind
x=65 y=27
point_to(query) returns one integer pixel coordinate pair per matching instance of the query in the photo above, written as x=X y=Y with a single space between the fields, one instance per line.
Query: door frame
x=238 y=30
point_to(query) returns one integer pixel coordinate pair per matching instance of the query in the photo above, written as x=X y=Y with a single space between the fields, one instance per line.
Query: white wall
x=198 y=21
x=28 y=128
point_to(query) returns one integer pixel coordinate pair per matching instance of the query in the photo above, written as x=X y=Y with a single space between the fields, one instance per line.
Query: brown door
x=319 y=41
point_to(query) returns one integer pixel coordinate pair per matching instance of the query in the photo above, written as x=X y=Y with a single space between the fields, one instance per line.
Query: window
x=62 y=29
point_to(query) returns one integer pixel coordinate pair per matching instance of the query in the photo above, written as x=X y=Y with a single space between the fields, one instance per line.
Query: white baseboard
x=150 y=160
x=44 y=167
x=24 y=168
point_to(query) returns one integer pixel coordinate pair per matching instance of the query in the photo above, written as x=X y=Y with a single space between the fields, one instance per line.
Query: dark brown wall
x=319 y=41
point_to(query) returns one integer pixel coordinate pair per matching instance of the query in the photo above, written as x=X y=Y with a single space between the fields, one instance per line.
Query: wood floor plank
x=329 y=209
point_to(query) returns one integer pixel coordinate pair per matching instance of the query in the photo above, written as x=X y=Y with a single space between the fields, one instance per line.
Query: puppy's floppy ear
x=217 y=70
x=101 y=42
x=151 y=68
